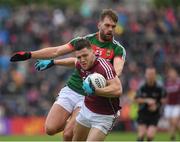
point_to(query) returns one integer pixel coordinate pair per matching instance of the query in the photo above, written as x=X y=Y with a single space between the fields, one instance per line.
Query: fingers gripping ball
x=92 y=82
x=97 y=80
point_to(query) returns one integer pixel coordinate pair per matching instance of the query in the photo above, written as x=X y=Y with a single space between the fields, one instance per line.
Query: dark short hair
x=109 y=13
x=82 y=43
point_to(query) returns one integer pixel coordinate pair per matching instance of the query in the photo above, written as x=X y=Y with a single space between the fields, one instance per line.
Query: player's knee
x=51 y=130
x=150 y=136
x=67 y=135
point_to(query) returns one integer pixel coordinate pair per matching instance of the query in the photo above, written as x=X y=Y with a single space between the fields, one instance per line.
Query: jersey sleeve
x=72 y=43
x=107 y=69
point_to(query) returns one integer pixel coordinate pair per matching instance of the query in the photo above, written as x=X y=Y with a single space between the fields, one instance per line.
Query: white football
x=97 y=80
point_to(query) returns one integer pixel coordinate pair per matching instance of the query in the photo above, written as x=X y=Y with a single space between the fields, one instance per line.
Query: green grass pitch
x=114 y=136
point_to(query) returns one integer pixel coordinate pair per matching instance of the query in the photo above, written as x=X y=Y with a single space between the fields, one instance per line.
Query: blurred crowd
x=150 y=37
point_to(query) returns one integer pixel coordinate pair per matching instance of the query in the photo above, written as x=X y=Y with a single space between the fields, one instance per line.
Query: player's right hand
x=150 y=101
x=88 y=87
x=20 y=56
x=41 y=65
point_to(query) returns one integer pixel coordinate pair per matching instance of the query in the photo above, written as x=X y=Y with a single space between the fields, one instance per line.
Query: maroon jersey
x=99 y=104
x=173 y=92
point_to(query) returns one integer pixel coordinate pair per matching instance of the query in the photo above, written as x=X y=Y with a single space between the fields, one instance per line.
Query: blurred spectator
x=149 y=97
x=172 y=109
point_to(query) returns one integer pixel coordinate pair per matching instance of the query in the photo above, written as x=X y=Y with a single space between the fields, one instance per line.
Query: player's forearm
x=112 y=90
x=46 y=53
x=69 y=62
x=164 y=100
x=118 y=70
x=108 y=92
x=140 y=100
x=51 y=52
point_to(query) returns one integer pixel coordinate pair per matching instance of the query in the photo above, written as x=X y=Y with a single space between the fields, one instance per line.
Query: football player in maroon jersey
x=101 y=105
x=172 y=109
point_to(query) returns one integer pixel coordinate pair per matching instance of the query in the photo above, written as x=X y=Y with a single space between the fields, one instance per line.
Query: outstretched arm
x=46 y=53
x=68 y=62
x=41 y=65
x=51 y=52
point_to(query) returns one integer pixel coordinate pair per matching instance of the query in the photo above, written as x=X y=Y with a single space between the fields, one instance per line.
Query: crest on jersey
x=108 y=52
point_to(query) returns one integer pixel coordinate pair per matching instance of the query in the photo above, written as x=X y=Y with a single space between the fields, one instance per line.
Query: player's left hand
x=152 y=107
x=41 y=65
x=88 y=87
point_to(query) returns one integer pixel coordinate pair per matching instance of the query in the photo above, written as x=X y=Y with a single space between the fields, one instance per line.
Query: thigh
x=90 y=119
x=96 y=135
x=176 y=111
x=57 y=117
x=69 y=99
x=71 y=122
x=80 y=132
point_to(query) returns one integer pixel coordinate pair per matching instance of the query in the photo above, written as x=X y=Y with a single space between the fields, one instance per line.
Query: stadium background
x=148 y=29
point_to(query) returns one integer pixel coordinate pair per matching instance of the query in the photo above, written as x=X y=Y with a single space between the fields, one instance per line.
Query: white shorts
x=90 y=119
x=172 y=111
x=69 y=99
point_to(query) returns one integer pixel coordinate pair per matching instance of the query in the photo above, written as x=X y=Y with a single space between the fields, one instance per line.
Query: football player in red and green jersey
x=71 y=96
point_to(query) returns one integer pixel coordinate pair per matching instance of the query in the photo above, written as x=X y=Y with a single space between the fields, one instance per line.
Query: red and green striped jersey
x=107 y=50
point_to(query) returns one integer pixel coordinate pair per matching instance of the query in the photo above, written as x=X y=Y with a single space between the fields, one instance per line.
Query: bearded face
x=106 y=29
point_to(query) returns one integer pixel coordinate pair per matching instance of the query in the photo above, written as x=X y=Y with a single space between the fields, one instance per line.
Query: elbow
x=118 y=93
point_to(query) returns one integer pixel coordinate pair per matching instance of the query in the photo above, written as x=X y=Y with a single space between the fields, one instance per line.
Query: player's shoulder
x=75 y=39
x=118 y=46
x=159 y=85
x=89 y=36
x=116 y=43
x=100 y=59
x=103 y=62
x=142 y=84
